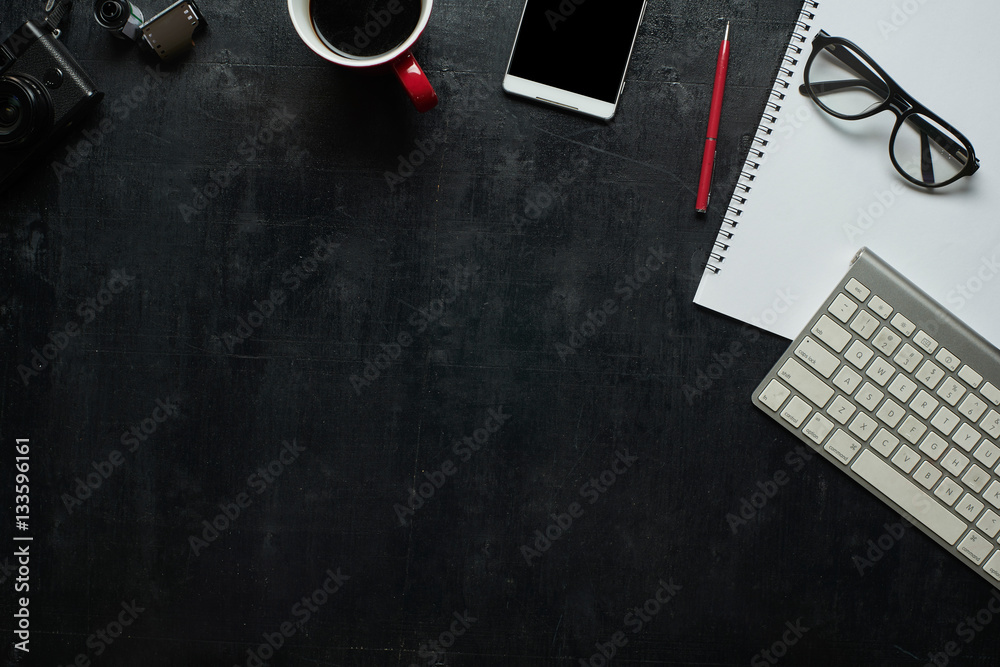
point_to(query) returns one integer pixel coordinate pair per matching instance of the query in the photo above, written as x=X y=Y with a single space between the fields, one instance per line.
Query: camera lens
x=10 y=114
x=110 y=11
x=24 y=111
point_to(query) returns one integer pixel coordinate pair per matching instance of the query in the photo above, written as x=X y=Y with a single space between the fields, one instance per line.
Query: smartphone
x=574 y=53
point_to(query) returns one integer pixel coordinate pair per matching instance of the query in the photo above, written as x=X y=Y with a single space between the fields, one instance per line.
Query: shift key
x=802 y=379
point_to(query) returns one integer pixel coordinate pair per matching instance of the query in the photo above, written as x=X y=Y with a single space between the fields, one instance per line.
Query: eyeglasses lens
x=843 y=83
x=928 y=152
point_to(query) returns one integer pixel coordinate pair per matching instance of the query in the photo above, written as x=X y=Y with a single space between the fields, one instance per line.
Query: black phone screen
x=582 y=46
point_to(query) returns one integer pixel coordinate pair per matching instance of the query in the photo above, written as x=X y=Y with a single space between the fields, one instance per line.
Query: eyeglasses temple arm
x=833 y=86
x=953 y=148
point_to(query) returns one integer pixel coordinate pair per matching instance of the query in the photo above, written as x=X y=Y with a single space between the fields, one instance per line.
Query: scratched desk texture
x=466 y=414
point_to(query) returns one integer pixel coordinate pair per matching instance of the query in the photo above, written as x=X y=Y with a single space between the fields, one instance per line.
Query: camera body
x=43 y=93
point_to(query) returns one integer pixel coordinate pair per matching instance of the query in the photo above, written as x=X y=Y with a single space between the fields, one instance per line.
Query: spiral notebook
x=815 y=189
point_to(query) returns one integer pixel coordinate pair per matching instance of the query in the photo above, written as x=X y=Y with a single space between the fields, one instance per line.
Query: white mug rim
x=299 y=12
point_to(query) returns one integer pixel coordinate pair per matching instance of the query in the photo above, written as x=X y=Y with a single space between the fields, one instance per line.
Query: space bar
x=909 y=496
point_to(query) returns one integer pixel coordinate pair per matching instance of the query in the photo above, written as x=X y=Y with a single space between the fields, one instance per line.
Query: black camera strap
x=55 y=10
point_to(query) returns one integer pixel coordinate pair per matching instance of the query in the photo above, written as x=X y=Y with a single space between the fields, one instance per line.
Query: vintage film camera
x=43 y=93
x=168 y=34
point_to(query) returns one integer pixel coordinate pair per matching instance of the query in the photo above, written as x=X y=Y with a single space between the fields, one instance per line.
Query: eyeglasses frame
x=898 y=101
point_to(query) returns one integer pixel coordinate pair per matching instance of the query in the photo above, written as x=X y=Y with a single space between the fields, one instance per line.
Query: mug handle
x=415 y=81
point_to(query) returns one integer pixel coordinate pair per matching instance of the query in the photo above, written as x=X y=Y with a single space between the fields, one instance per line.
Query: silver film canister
x=119 y=17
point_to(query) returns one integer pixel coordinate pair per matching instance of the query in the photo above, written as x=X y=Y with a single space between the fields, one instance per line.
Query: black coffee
x=364 y=28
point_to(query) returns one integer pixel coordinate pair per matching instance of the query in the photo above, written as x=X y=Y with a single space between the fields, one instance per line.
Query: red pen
x=708 y=159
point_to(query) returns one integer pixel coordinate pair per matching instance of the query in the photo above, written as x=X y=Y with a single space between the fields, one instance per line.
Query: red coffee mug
x=399 y=59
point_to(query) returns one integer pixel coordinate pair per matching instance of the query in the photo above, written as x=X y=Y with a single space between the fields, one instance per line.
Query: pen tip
x=726 y=38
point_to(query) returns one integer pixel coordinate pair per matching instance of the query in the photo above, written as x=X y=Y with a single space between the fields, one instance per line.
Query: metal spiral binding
x=755 y=156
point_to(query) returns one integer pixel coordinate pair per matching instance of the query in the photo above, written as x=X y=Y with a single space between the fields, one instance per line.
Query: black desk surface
x=227 y=332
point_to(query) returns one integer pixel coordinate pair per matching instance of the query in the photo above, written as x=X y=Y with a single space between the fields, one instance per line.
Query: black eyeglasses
x=845 y=82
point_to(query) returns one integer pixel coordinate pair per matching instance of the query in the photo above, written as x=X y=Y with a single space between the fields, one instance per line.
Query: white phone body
x=538 y=68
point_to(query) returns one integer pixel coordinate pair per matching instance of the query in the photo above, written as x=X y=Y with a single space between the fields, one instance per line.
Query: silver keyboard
x=902 y=396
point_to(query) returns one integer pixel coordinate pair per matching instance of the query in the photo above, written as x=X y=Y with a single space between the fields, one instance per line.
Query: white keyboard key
x=902 y=387
x=796 y=412
x=975 y=547
x=992 y=495
x=818 y=428
x=859 y=354
x=903 y=325
x=864 y=324
x=805 y=382
x=890 y=413
x=869 y=397
x=972 y=408
x=970 y=507
x=991 y=393
x=881 y=308
x=887 y=341
x=842 y=308
x=817 y=357
x=841 y=409
x=924 y=404
x=991 y=424
x=832 y=334
x=881 y=371
x=992 y=566
x=847 y=380
x=970 y=376
x=909 y=497
x=858 y=289
x=884 y=442
x=930 y=374
x=975 y=478
x=906 y=459
x=863 y=426
x=933 y=446
x=926 y=342
x=948 y=491
x=908 y=358
x=949 y=360
x=966 y=437
x=987 y=453
x=945 y=421
x=843 y=446
x=774 y=395
x=989 y=523
x=955 y=462
x=927 y=475
x=912 y=429
x=951 y=391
